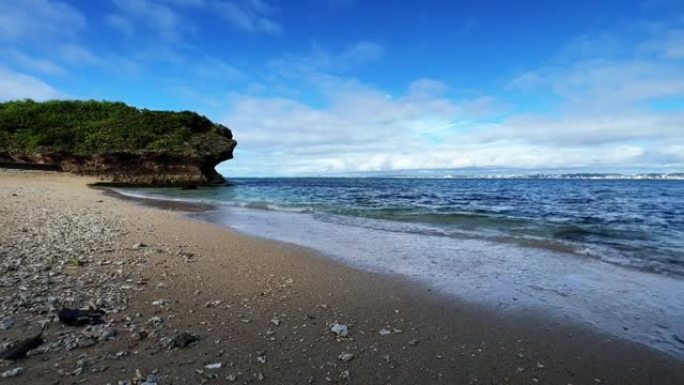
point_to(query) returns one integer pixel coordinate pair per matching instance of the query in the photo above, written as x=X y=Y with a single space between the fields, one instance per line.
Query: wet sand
x=260 y=308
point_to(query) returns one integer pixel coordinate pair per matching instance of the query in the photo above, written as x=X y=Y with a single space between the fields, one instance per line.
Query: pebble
x=39 y=266
x=261 y=357
x=7 y=323
x=214 y=366
x=340 y=330
x=99 y=332
x=346 y=357
x=86 y=342
x=12 y=372
x=213 y=303
x=156 y=321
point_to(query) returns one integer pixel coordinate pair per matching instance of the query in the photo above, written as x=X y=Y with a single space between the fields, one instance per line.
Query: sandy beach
x=261 y=309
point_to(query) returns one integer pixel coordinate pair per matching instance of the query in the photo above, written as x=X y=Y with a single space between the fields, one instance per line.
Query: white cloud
x=360 y=129
x=171 y=20
x=19 y=86
x=154 y=15
x=77 y=55
x=39 y=20
x=322 y=60
x=602 y=117
x=601 y=83
x=32 y=63
x=251 y=15
x=589 y=129
x=371 y=132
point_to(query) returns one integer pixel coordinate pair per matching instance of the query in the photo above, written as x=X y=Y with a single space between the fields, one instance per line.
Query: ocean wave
x=625 y=223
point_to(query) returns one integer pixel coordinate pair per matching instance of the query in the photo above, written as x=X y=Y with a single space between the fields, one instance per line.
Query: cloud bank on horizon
x=321 y=87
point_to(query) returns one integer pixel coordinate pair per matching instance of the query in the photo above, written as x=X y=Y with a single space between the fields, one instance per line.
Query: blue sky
x=331 y=86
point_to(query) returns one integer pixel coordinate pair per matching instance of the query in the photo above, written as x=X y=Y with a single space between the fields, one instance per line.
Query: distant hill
x=117 y=142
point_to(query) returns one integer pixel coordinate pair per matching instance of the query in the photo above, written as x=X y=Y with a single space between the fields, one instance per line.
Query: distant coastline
x=598 y=176
x=485 y=174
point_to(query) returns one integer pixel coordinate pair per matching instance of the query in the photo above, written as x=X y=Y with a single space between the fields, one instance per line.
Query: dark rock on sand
x=20 y=349
x=73 y=317
x=183 y=340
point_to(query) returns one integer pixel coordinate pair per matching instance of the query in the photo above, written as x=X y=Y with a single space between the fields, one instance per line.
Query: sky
x=323 y=87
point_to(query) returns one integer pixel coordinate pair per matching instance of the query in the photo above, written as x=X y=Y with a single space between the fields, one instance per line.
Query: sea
x=604 y=253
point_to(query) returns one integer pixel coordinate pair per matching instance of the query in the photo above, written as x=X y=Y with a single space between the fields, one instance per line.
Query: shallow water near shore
x=604 y=253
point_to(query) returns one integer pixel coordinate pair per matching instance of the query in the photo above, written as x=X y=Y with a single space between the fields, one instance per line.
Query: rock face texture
x=143 y=147
x=138 y=168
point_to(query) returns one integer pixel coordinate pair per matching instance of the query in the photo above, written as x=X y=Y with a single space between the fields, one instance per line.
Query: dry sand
x=260 y=308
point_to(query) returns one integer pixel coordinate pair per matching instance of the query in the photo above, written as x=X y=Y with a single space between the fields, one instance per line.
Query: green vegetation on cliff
x=93 y=127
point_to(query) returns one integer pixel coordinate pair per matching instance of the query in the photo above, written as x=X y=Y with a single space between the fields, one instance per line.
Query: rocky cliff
x=117 y=143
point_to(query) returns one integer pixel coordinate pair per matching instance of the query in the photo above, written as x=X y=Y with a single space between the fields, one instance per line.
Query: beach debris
x=159 y=302
x=12 y=372
x=346 y=357
x=80 y=367
x=139 y=335
x=7 y=323
x=86 y=342
x=213 y=303
x=187 y=257
x=275 y=321
x=183 y=340
x=74 y=317
x=156 y=321
x=340 y=330
x=150 y=380
x=384 y=332
x=139 y=245
x=20 y=349
x=261 y=357
x=99 y=332
x=213 y=366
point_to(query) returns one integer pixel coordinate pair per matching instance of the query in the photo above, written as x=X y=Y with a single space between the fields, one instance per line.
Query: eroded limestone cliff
x=117 y=143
